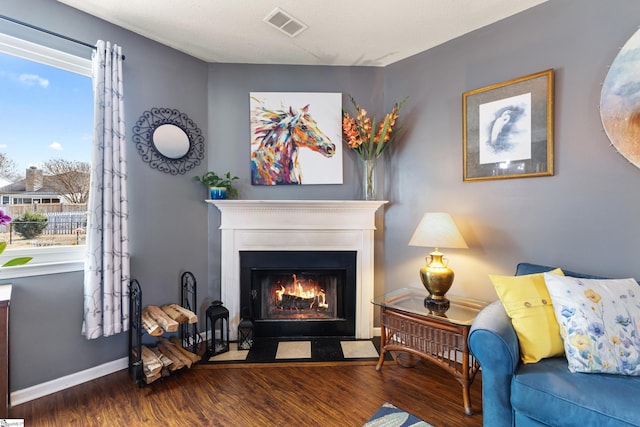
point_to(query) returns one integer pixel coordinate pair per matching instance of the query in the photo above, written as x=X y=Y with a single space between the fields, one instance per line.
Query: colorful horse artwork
x=279 y=135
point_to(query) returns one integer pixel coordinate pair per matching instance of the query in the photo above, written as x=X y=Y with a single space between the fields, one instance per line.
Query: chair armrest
x=493 y=341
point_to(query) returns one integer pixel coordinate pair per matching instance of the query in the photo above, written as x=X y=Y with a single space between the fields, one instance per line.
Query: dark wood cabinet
x=5 y=300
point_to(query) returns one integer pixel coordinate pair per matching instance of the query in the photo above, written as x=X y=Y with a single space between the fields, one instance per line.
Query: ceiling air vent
x=284 y=22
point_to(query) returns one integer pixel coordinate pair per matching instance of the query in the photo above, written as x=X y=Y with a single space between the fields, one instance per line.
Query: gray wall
x=229 y=87
x=552 y=220
x=167 y=222
x=581 y=218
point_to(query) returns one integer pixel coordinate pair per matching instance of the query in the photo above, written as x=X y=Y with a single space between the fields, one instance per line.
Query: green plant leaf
x=3 y=246
x=372 y=141
x=17 y=261
x=381 y=144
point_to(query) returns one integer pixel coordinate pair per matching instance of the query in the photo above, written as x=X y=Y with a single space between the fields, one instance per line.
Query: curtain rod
x=44 y=30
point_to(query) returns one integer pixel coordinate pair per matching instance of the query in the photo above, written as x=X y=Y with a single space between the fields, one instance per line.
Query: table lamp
x=437 y=230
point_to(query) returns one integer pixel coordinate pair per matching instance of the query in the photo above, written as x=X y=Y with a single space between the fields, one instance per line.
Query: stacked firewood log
x=167 y=355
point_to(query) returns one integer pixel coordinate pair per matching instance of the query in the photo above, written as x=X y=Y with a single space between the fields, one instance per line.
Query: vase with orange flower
x=369 y=141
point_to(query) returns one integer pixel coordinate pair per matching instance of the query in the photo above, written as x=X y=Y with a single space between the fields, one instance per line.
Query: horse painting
x=279 y=135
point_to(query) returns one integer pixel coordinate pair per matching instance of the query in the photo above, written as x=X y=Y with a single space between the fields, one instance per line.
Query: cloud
x=33 y=80
x=4 y=145
x=56 y=146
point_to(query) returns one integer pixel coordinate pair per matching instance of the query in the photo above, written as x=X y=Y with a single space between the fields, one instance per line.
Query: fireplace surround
x=298 y=225
x=290 y=294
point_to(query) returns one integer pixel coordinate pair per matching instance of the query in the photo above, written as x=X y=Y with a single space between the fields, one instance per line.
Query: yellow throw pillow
x=528 y=304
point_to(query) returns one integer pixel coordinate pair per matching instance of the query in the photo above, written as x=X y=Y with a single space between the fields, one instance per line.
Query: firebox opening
x=299 y=293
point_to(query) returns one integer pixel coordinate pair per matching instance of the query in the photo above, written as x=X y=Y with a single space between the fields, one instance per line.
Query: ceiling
x=339 y=32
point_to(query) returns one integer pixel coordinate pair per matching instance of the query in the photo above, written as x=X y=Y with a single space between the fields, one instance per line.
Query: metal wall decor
x=620 y=100
x=168 y=140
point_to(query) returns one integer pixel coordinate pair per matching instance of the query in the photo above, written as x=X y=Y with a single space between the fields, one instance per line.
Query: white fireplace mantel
x=255 y=225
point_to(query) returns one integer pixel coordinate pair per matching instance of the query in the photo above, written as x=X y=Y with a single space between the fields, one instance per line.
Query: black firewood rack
x=135 y=332
x=188 y=332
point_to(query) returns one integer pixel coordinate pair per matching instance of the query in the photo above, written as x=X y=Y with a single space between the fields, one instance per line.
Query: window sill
x=48 y=260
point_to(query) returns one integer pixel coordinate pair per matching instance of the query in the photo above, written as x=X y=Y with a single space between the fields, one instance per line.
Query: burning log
x=292 y=302
x=299 y=295
x=163 y=319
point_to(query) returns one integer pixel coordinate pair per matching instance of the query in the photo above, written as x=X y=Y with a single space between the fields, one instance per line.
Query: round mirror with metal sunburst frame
x=168 y=140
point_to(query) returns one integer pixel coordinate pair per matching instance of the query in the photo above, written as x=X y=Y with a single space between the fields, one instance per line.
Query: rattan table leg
x=466 y=399
x=383 y=342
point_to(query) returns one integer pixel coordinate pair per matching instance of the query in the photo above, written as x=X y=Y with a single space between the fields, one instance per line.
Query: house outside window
x=52 y=145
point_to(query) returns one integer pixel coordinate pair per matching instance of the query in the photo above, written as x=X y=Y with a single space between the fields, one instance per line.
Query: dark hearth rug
x=391 y=416
x=312 y=350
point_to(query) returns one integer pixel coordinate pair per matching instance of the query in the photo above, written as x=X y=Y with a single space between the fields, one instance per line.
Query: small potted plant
x=220 y=187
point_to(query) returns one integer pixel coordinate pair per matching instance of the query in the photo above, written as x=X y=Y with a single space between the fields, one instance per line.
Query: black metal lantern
x=217 y=324
x=245 y=334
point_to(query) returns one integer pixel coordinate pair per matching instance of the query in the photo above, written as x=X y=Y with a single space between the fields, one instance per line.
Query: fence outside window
x=66 y=225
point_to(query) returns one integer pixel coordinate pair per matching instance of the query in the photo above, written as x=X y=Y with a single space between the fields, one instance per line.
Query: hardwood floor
x=272 y=395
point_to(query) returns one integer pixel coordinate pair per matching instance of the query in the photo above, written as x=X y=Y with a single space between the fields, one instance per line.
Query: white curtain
x=106 y=272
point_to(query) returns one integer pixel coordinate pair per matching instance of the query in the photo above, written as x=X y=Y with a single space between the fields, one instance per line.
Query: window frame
x=51 y=259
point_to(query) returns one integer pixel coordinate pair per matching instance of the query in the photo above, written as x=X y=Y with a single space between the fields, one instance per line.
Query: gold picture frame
x=508 y=129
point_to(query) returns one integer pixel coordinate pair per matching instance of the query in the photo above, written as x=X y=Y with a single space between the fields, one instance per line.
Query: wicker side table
x=439 y=337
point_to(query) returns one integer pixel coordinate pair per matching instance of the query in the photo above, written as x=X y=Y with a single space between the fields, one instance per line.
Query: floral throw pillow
x=599 y=322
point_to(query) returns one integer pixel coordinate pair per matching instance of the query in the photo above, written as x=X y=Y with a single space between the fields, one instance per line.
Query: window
x=46 y=128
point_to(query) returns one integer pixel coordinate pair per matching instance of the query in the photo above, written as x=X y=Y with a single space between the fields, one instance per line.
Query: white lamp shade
x=437 y=230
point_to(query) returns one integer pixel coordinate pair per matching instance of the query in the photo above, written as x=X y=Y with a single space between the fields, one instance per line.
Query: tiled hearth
x=298 y=225
x=316 y=350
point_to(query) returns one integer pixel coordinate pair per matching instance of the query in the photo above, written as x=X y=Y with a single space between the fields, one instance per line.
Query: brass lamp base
x=437 y=278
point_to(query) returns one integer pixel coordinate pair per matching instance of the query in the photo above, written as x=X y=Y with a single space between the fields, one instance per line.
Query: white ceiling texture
x=302 y=32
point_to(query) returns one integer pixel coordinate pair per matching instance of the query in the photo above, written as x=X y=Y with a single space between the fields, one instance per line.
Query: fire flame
x=298 y=290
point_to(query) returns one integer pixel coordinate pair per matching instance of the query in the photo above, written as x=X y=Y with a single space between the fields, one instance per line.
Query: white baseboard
x=53 y=386
x=34 y=392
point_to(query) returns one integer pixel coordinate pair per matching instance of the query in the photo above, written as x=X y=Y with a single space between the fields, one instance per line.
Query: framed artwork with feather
x=508 y=129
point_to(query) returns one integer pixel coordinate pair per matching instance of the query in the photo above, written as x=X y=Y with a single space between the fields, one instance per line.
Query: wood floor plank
x=261 y=396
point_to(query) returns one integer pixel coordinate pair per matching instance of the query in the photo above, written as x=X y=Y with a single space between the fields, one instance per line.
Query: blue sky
x=45 y=113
